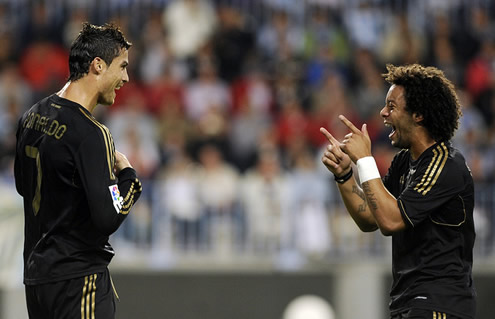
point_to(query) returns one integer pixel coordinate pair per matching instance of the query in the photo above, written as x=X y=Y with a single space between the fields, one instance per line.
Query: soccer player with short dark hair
x=77 y=188
x=425 y=201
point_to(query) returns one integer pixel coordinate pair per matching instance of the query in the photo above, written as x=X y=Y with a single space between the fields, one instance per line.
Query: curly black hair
x=430 y=94
x=93 y=41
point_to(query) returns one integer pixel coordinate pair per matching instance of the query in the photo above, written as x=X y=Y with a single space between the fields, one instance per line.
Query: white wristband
x=367 y=169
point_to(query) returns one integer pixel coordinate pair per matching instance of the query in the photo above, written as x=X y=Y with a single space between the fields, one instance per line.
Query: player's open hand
x=334 y=159
x=356 y=144
x=121 y=162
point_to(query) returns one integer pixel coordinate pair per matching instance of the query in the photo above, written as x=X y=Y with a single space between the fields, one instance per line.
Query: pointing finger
x=329 y=136
x=349 y=124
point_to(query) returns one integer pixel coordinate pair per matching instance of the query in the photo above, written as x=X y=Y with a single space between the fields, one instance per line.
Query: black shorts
x=423 y=314
x=88 y=297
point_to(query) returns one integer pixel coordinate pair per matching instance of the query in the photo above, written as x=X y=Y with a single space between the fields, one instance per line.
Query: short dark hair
x=430 y=94
x=93 y=41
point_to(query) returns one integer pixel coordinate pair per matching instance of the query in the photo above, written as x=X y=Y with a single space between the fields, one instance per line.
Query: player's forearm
x=383 y=206
x=110 y=205
x=357 y=206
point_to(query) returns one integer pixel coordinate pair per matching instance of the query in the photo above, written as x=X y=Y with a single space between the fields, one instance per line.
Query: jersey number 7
x=32 y=152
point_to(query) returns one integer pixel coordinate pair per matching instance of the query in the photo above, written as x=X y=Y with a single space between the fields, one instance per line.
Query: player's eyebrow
x=392 y=100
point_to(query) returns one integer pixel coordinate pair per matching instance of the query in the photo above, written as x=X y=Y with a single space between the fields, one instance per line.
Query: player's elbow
x=386 y=232
x=366 y=224
x=367 y=227
x=107 y=230
x=389 y=228
x=107 y=224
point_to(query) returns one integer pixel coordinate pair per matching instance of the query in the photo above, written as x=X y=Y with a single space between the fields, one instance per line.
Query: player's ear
x=97 y=65
x=418 y=118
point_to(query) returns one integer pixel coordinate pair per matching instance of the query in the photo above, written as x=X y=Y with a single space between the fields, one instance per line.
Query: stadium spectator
x=264 y=197
x=189 y=24
x=224 y=222
x=233 y=43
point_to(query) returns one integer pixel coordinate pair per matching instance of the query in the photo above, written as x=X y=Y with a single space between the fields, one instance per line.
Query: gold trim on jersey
x=88 y=299
x=129 y=198
x=129 y=193
x=454 y=225
x=109 y=145
x=439 y=315
x=444 y=160
x=114 y=289
x=405 y=213
x=429 y=179
x=435 y=154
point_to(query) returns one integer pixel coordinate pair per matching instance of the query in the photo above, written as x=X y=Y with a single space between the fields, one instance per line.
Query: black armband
x=343 y=179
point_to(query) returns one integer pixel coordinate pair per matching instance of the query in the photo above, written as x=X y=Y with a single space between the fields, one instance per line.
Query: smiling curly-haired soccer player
x=425 y=201
x=77 y=188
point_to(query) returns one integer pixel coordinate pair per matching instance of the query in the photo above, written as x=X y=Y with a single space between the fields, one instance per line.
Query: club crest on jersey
x=116 y=198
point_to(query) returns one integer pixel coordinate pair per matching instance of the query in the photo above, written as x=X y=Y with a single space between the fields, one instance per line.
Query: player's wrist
x=367 y=169
x=344 y=177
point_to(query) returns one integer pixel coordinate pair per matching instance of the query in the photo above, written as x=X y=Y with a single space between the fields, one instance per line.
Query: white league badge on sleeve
x=116 y=198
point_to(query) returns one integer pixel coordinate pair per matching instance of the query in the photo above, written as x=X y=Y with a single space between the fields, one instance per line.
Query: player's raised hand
x=334 y=159
x=121 y=162
x=356 y=144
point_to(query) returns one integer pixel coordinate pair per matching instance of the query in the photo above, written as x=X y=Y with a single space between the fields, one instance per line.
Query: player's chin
x=400 y=144
x=107 y=100
x=395 y=142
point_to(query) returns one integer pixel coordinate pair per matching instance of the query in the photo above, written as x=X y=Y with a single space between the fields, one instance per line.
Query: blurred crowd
x=222 y=113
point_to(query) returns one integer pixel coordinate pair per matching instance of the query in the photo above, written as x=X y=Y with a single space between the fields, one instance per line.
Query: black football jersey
x=64 y=170
x=432 y=258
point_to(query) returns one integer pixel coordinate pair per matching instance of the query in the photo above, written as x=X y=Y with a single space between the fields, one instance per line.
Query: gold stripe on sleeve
x=439 y=171
x=432 y=172
x=423 y=179
x=129 y=198
x=129 y=193
x=107 y=137
x=439 y=154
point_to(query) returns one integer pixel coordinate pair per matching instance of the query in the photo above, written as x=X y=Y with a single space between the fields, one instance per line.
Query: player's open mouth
x=393 y=129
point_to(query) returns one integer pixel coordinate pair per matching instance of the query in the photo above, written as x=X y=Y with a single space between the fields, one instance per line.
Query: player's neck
x=82 y=92
x=422 y=141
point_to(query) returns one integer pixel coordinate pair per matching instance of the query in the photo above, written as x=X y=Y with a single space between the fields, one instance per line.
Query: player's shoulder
x=88 y=120
x=445 y=160
x=83 y=121
x=457 y=162
x=36 y=107
x=92 y=130
x=83 y=125
x=441 y=152
x=445 y=153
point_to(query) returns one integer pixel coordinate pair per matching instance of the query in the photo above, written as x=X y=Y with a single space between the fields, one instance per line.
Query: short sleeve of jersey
x=391 y=179
x=437 y=180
